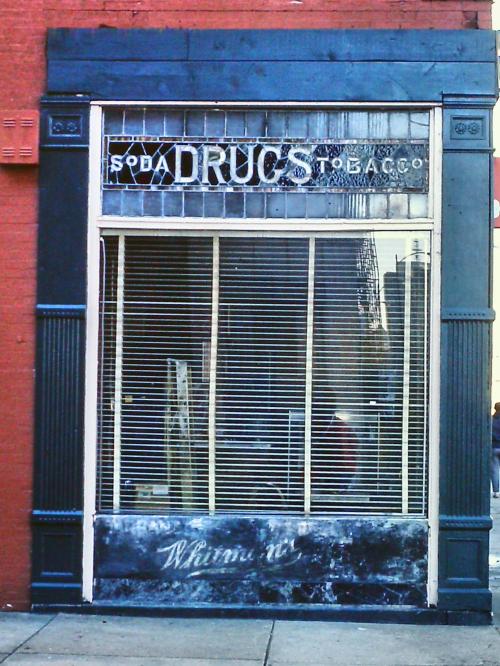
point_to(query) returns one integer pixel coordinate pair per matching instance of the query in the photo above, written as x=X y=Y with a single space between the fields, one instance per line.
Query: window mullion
x=309 y=365
x=406 y=379
x=213 y=376
x=118 y=374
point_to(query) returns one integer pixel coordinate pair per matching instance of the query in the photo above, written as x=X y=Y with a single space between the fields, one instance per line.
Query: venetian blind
x=264 y=373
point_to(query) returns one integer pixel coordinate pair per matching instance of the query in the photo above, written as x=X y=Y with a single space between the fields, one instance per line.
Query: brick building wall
x=23 y=28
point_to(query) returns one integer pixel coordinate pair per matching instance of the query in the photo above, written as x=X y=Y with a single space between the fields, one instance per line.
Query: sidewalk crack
x=35 y=633
x=268 y=648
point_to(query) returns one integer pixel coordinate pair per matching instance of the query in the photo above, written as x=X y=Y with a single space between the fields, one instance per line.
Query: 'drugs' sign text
x=340 y=166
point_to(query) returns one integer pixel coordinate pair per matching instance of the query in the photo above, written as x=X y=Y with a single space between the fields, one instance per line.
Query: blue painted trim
x=272 y=45
x=453 y=314
x=60 y=586
x=419 y=82
x=61 y=311
x=48 y=306
x=64 y=122
x=465 y=523
x=59 y=517
x=280 y=65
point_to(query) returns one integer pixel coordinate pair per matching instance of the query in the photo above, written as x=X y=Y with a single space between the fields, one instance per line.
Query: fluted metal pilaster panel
x=465 y=424
x=60 y=374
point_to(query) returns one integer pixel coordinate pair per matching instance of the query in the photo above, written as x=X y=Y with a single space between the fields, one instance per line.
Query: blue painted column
x=58 y=494
x=466 y=319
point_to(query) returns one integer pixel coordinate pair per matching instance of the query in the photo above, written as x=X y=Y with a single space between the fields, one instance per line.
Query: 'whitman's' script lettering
x=197 y=557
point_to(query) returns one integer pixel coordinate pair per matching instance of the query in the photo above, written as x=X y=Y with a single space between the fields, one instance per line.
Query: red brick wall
x=22 y=74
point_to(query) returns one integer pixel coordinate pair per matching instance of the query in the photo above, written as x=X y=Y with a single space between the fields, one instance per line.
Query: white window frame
x=98 y=223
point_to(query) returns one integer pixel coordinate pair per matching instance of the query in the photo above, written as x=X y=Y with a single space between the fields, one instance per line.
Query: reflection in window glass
x=369 y=378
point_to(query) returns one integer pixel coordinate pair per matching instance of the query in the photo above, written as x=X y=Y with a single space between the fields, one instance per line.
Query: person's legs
x=495 y=471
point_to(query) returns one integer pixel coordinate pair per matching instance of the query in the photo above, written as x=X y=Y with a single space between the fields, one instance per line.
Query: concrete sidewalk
x=65 y=640
x=131 y=641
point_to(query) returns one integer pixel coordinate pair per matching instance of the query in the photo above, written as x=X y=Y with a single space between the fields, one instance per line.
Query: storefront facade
x=264 y=315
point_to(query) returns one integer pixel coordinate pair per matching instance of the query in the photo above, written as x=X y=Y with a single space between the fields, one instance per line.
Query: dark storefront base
x=344 y=569
x=362 y=613
x=252 y=560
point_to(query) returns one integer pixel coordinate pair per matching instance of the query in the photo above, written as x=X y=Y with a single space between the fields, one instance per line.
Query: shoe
x=496 y=495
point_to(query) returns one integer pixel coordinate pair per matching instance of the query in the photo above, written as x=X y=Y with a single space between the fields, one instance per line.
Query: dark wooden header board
x=269 y=65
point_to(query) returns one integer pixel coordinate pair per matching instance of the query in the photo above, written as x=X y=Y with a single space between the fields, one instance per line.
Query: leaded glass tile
x=419 y=125
x=195 y=123
x=398 y=125
x=153 y=204
x=215 y=123
x=357 y=125
x=278 y=127
x=378 y=204
x=174 y=123
x=418 y=205
x=335 y=205
x=132 y=203
x=255 y=204
x=235 y=123
x=113 y=121
x=334 y=122
x=276 y=204
x=193 y=204
x=276 y=124
x=173 y=204
x=296 y=204
x=356 y=205
x=214 y=204
x=134 y=122
x=316 y=205
x=378 y=125
x=318 y=125
x=112 y=202
x=256 y=123
x=398 y=205
x=154 y=123
x=235 y=204
x=297 y=124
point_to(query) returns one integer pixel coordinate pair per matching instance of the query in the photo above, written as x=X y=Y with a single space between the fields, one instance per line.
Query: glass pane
x=261 y=374
x=228 y=162
x=162 y=442
x=370 y=374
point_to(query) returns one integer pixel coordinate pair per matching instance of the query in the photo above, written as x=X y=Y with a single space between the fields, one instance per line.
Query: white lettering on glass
x=179 y=163
x=213 y=158
x=196 y=557
x=280 y=165
x=294 y=157
x=268 y=150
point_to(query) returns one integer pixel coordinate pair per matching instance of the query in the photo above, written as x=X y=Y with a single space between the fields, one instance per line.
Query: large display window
x=259 y=357
x=244 y=372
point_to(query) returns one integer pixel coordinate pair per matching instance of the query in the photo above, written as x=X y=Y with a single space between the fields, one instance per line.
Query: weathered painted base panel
x=228 y=559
